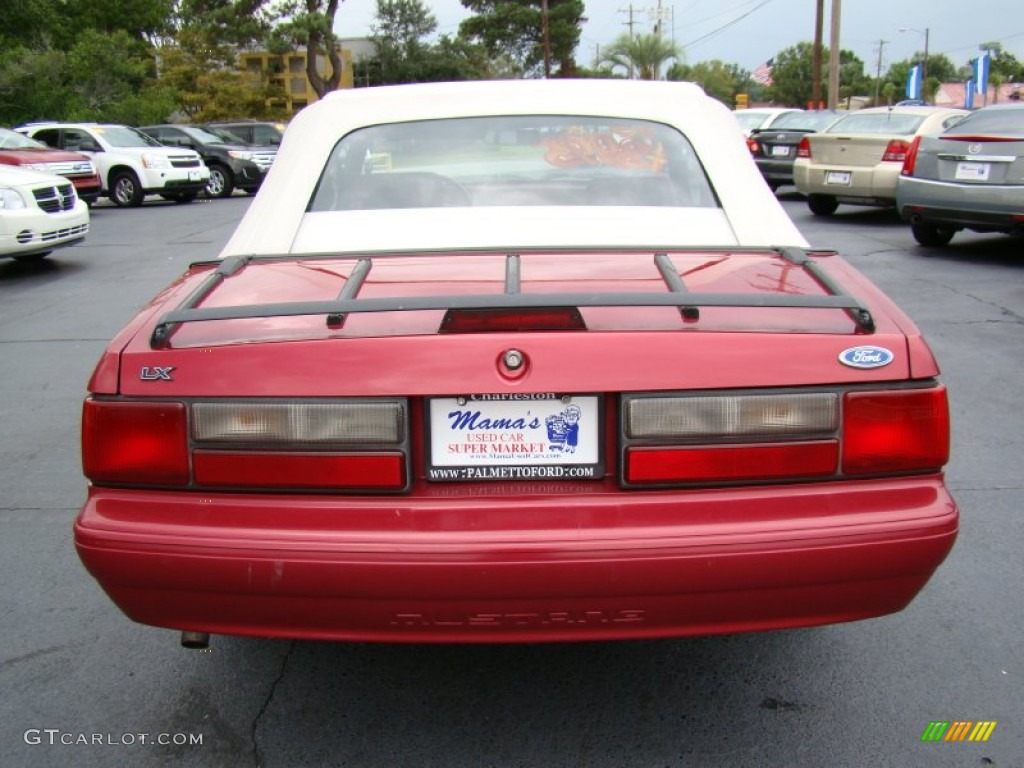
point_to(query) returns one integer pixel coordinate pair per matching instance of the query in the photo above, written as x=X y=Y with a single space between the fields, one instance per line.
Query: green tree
x=119 y=89
x=641 y=55
x=514 y=32
x=310 y=24
x=718 y=79
x=27 y=22
x=404 y=55
x=793 y=75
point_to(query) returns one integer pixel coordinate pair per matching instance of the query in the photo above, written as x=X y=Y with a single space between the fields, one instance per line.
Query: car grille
x=73 y=168
x=264 y=159
x=56 y=198
x=185 y=161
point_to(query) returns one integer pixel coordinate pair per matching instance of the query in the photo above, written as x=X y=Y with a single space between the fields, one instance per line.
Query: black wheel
x=125 y=190
x=221 y=183
x=931 y=235
x=822 y=205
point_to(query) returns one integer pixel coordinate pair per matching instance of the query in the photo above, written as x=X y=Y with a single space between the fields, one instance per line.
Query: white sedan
x=38 y=213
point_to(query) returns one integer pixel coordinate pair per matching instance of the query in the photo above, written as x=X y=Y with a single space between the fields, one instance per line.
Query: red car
x=516 y=361
x=16 y=149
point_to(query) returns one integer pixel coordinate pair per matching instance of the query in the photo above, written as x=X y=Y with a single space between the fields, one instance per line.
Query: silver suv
x=130 y=163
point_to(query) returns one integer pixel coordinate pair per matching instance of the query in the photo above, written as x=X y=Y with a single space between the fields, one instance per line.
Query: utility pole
x=547 y=38
x=816 y=65
x=833 y=58
x=878 y=70
x=629 y=24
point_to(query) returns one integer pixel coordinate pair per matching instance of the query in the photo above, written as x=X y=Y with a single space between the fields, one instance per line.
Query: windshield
x=878 y=122
x=123 y=136
x=513 y=161
x=204 y=136
x=750 y=120
x=14 y=140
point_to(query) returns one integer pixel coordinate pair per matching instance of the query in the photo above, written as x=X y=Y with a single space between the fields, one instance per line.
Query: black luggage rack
x=347 y=302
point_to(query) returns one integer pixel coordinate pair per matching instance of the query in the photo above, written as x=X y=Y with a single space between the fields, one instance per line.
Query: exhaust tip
x=195 y=640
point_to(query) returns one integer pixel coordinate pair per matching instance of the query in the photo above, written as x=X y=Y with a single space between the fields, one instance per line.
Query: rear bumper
x=459 y=565
x=982 y=207
x=868 y=185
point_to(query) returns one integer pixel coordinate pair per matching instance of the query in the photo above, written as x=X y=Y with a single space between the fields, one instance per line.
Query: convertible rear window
x=513 y=161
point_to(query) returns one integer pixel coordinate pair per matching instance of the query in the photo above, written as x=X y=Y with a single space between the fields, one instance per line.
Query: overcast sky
x=747 y=32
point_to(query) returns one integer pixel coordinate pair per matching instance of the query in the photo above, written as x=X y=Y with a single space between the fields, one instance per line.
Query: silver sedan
x=970 y=177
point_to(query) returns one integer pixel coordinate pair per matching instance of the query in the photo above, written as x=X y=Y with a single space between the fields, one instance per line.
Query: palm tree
x=643 y=54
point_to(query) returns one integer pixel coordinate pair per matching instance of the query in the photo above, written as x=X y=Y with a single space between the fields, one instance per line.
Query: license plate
x=195 y=176
x=966 y=171
x=838 y=177
x=544 y=436
x=780 y=151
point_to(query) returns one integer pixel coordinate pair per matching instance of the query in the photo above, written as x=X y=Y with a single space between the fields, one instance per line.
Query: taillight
x=347 y=445
x=135 y=443
x=238 y=469
x=731 y=463
x=911 y=159
x=895 y=431
x=753 y=146
x=679 y=439
x=896 y=151
x=804 y=148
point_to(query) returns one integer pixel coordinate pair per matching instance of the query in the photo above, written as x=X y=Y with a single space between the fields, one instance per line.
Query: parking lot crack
x=256 y=753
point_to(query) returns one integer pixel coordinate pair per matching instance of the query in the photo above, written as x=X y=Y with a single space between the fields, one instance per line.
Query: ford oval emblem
x=865 y=357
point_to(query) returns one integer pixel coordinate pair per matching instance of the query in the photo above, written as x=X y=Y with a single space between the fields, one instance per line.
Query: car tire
x=931 y=235
x=125 y=190
x=221 y=183
x=822 y=205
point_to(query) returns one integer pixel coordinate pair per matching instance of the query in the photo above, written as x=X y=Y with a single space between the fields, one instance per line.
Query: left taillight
x=343 y=445
x=135 y=443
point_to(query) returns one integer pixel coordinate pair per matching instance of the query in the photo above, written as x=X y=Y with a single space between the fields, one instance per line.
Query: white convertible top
x=278 y=222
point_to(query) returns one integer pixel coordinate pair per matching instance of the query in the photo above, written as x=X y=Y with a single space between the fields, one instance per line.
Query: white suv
x=130 y=163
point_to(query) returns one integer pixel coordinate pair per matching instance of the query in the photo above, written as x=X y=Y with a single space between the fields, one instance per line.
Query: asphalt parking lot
x=84 y=686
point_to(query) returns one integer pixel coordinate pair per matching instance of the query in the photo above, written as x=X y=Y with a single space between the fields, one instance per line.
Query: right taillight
x=895 y=431
x=911 y=158
x=680 y=438
x=804 y=149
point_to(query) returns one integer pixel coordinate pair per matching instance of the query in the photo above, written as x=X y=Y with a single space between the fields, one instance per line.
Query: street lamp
x=924 y=66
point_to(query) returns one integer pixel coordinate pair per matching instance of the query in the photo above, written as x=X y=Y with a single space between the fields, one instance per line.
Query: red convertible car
x=515 y=361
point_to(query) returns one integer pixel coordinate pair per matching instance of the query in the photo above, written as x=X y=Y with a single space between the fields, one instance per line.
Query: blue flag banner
x=981 y=68
x=914 y=82
x=969 y=94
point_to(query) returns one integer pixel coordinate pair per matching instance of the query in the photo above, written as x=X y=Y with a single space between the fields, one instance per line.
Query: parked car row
x=50 y=173
x=177 y=162
x=943 y=169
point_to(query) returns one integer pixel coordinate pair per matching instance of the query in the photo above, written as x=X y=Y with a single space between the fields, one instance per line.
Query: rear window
x=513 y=161
x=1005 y=122
x=880 y=122
x=804 y=121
